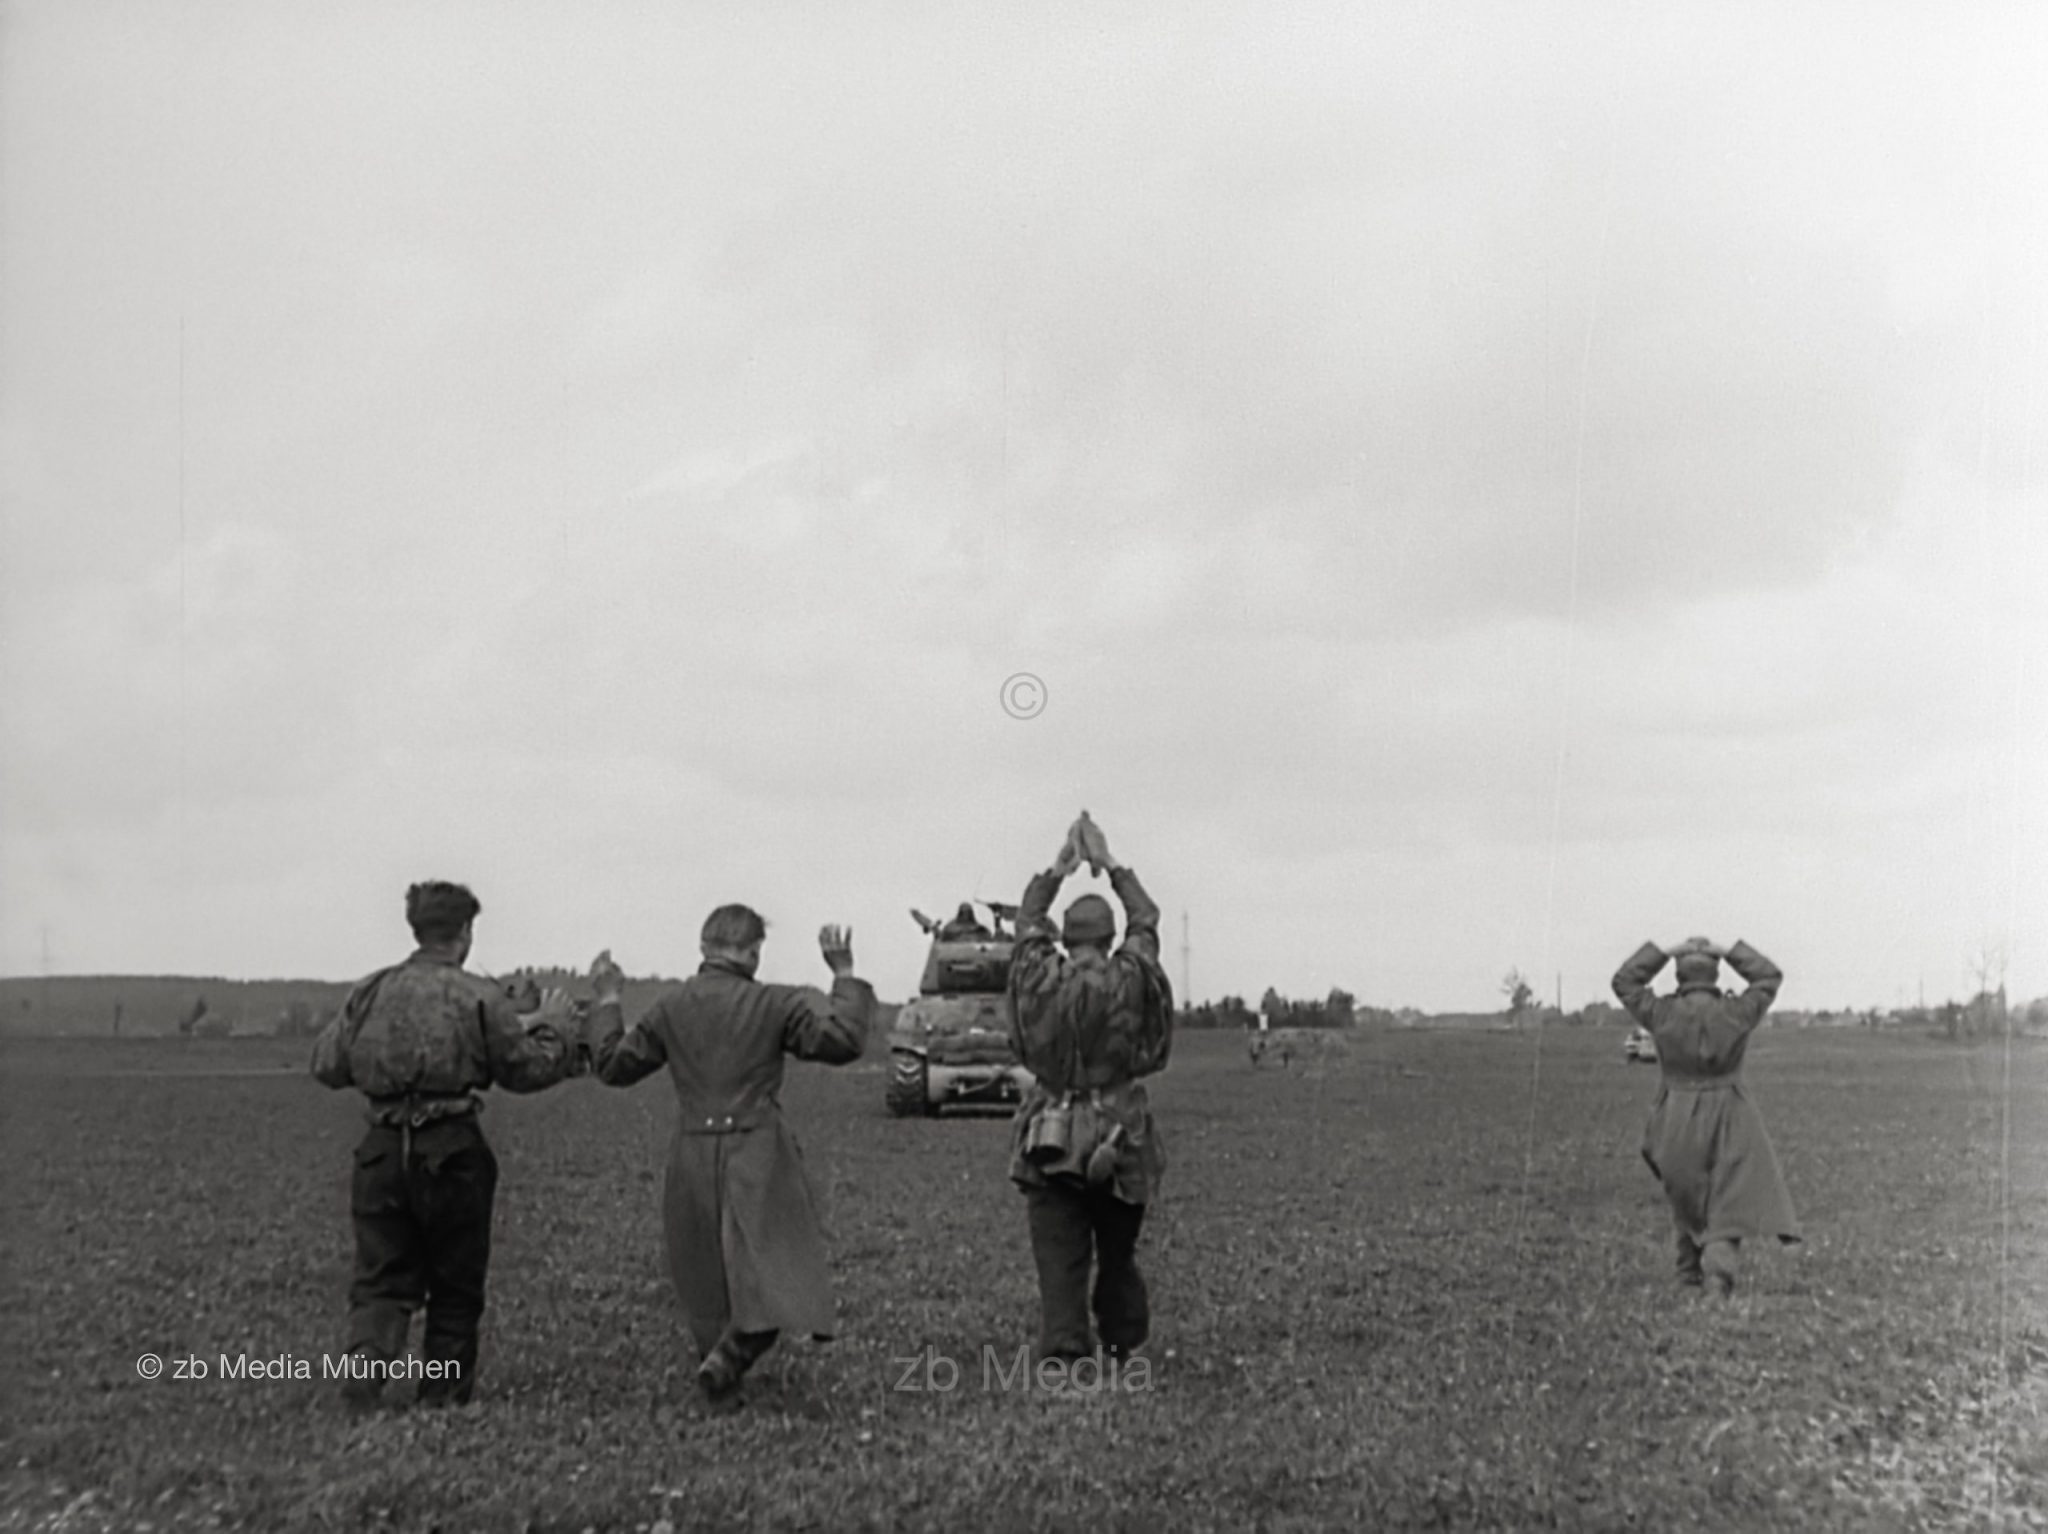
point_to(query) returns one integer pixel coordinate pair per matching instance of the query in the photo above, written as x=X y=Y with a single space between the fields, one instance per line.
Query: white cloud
x=620 y=461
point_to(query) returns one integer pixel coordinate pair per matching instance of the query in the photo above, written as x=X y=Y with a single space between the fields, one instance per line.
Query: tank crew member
x=965 y=924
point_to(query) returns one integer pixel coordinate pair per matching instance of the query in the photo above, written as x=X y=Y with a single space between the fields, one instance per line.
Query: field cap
x=1088 y=920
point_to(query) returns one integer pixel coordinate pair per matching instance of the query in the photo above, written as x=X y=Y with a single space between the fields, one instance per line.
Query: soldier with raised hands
x=746 y=1249
x=1705 y=1139
x=1088 y=1022
x=421 y=1040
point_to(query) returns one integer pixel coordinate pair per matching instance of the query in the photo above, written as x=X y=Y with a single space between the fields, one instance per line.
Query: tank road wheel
x=909 y=1084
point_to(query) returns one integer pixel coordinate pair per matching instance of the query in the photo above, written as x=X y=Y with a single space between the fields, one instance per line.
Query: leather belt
x=416 y=1110
x=419 y=1109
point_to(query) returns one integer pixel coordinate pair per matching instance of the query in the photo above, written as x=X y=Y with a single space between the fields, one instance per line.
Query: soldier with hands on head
x=746 y=1249
x=420 y=1040
x=1088 y=1023
x=1705 y=1139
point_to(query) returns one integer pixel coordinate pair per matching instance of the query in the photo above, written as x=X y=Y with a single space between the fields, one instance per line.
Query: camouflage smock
x=420 y=1037
x=1092 y=1023
x=740 y=1216
x=1705 y=1139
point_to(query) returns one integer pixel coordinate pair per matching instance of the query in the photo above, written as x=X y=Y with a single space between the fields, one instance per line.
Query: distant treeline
x=142 y=1006
x=209 y=1006
x=1339 y=1009
x=1986 y=1015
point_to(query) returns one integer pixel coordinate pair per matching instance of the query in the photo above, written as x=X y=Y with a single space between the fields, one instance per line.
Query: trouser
x=1070 y=1227
x=421 y=1203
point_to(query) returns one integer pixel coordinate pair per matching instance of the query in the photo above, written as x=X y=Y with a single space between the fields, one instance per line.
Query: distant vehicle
x=951 y=1045
x=1641 y=1047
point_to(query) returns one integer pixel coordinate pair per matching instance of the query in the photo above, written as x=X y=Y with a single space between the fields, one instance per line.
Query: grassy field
x=1424 y=1285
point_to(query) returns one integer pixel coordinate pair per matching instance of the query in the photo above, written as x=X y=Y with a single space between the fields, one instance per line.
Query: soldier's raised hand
x=555 y=1010
x=836 y=943
x=1070 y=852
x=606 y=978
x=1094 y=845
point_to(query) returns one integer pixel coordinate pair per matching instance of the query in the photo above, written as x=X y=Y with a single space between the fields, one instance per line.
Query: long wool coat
x=1705 y=1139
x=739 y=1213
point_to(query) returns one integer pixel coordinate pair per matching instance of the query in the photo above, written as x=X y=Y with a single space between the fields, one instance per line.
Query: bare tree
x=1986 y=1013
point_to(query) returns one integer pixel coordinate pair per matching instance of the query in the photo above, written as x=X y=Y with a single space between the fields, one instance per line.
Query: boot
x=1689 y=1262
x=1718 y=1264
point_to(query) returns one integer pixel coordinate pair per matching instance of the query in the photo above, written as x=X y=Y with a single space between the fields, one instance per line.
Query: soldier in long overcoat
x=1705 y=1139
x=1088 y=1023
x=420 y=1040
x=746 y=1248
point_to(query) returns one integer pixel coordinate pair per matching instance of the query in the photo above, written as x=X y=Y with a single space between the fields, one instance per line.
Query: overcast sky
x=1480 y=486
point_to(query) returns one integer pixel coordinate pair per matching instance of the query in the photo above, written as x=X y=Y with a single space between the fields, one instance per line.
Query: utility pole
x=1187 y=995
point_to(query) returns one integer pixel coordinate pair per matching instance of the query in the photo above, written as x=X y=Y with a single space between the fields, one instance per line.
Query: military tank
x=951 y=1044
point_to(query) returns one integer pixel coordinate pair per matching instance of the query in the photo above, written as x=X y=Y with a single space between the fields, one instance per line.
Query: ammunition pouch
x=1073 y=1137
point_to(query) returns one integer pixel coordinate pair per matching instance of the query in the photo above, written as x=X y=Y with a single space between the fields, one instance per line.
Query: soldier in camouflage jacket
x=1088 y=1023
x=420 y=1040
